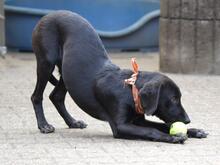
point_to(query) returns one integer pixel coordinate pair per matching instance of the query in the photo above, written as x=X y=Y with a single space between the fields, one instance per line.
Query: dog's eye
x=175 y=99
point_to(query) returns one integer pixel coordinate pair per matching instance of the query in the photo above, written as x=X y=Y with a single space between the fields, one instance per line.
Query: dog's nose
x=187 y=120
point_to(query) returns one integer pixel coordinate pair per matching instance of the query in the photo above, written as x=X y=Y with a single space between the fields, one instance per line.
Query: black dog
x=66 y=40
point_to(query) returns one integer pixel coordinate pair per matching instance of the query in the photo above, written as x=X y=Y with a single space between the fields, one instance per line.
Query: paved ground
x=21 y=143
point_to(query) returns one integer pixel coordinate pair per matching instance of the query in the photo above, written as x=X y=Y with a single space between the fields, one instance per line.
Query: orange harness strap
x=131 y=81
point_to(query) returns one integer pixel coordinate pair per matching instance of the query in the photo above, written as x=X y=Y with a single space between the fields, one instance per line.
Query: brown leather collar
x=131 y=81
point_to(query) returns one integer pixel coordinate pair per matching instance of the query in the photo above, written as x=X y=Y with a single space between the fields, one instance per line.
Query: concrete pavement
x=22 y=144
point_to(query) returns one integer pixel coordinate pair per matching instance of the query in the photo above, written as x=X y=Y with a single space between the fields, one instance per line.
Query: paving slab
x=22 y=144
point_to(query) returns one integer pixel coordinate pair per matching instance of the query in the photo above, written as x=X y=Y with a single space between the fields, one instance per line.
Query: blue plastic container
x=124 y=24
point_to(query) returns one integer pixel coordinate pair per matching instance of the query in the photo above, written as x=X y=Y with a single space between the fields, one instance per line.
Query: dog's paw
x=46 y=128
x=196 y=133
x=77 y=124
x=180 y=139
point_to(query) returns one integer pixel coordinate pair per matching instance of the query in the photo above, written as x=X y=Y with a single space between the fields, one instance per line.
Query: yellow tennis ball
x=178 y=128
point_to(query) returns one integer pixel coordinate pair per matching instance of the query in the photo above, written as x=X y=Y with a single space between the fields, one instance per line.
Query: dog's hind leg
x=57 y=97
x=53 y=80
x=44 y=72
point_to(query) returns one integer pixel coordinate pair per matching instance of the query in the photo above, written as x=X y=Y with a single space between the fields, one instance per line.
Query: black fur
x=66 y=40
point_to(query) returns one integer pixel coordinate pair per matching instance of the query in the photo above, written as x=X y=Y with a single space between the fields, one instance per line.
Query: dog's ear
x=149 y=95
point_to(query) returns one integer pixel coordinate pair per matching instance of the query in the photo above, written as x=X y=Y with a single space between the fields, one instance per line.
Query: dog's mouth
x=162 y=118
x=168 y=124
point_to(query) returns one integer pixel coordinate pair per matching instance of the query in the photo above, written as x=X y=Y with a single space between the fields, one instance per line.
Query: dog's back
x=66 y=30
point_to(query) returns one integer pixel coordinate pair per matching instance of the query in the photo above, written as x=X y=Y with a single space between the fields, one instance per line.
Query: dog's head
x=161 y=97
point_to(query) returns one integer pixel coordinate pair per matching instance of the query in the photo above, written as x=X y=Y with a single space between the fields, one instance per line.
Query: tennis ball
x=178 y=128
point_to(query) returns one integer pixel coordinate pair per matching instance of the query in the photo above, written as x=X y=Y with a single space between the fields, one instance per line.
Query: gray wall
x=190 y=36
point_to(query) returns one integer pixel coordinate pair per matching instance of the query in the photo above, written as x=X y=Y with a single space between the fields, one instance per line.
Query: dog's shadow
x=80 y=134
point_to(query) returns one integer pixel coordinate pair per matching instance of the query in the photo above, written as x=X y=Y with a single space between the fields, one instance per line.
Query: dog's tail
x=53 y=80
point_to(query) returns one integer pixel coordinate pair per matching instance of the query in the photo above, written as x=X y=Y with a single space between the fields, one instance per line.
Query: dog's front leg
x=141 y=121
x=191 y=132
x=131 y=131
x=196 y=133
